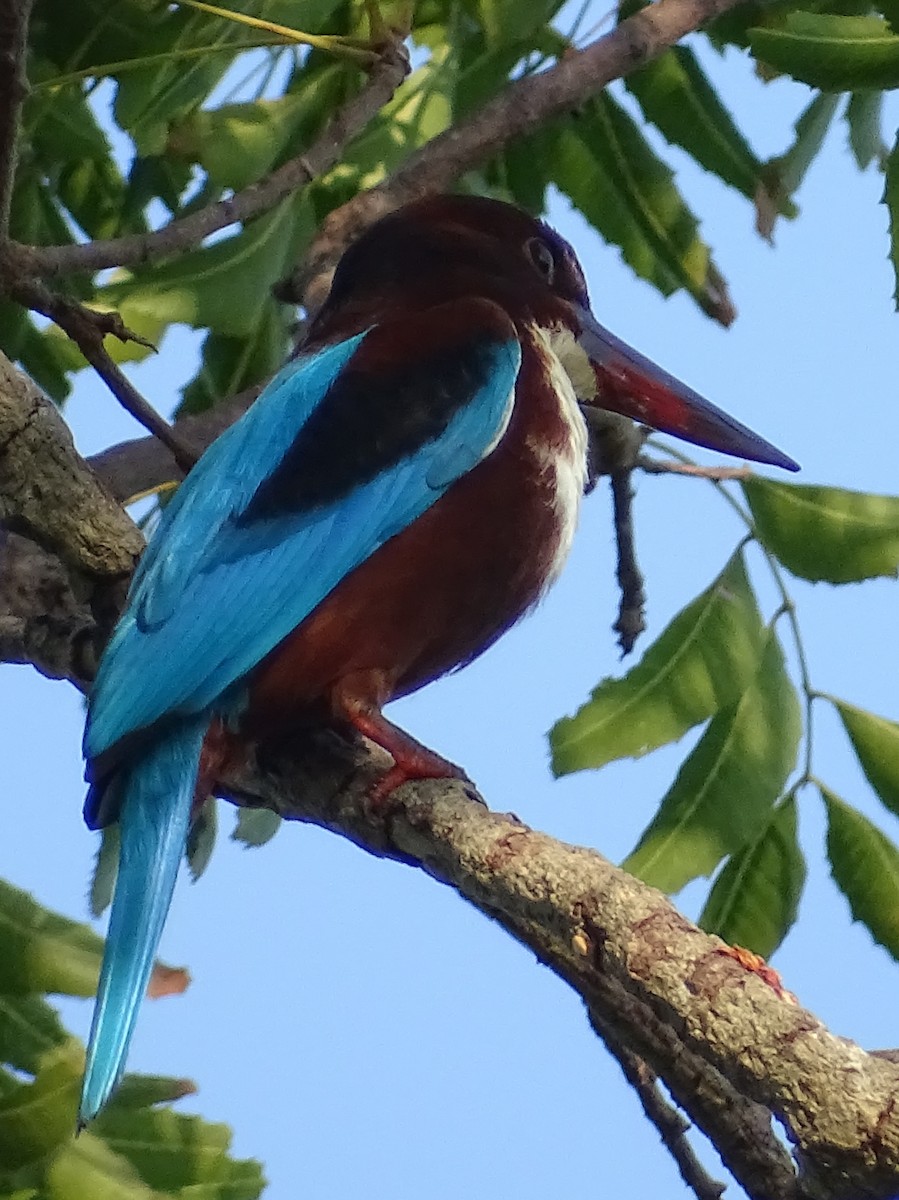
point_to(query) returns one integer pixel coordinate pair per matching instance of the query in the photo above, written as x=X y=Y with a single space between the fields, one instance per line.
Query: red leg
x=358 y=700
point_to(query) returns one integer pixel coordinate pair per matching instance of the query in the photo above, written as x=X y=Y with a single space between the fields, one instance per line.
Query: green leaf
x=421 y=109
x=755 y=900
x=824 y=533
x=150 y=99
x=219 y=286
x=786 y=172
x=37 y=1117
x=505 y=21
x=63 y=132
x=46 y=357
x=836 y=53
x=876 y=743
x=171 y=1151
x=43 y=952
x=29 y=1028
x=255 y=826
x=864 y=864
x=863 y=114
x=142 y=1091
x=677 y=97
x=87 y=1167
x=702 y=662
x=891 y=200
x=603 y=163
x=230 y=365
x=238 y=143
x=725 y=789
x=201 y=839
x=106 y=868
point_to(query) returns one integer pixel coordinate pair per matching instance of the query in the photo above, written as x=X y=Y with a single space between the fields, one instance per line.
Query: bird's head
x=447 y=247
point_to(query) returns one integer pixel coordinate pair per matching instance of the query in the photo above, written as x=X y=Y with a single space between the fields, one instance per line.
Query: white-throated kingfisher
x=398 y=496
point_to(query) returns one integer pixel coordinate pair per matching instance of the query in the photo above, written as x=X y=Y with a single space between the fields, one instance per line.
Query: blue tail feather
x=155 y=815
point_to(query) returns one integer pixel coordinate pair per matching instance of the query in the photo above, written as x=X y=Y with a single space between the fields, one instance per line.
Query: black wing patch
x=376 y=412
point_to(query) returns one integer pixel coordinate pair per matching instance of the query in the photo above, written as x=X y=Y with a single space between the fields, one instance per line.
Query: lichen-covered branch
x=47 y=491
x=666 y=988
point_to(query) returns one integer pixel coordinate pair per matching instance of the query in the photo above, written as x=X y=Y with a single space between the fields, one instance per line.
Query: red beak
x=632 y=385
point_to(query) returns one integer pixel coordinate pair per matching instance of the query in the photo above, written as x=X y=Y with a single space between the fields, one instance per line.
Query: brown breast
x=441 y=591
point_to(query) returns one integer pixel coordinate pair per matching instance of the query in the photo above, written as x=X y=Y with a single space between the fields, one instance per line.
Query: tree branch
x=186 y=232
x=660 y=983
x=49 y=494
x=14 y=15
x=520 y=108
x=87 y=329
x=672 y=1127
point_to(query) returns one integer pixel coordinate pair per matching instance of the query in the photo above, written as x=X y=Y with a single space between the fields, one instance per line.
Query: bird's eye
x=542 y=258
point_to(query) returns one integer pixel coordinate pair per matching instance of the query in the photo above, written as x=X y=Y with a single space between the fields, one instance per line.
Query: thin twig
x=671 y=1126
x=14 y=16
x=658 y=466
x=630 y=623
x=87 y=329
x=187 y=232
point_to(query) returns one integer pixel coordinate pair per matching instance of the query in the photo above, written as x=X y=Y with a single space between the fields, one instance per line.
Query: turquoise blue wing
x=342 y=451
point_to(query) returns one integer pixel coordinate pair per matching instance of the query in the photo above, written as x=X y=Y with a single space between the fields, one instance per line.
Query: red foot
x=411 y=760
x=357 y=699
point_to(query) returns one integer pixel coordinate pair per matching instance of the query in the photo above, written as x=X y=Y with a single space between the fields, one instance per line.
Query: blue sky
x=360 y=1027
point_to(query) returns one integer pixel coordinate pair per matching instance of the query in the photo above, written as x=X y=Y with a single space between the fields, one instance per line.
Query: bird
x=400 y=494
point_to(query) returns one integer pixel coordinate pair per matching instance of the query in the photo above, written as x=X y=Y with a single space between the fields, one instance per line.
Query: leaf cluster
x=139 y=1148
x=731 y=811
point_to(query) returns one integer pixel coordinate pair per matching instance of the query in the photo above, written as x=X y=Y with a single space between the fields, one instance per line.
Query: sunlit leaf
x=171 y=1151
x=602 y=161
x=238 y=143
x=725 y=789
x=43 y=952
x=755 y=899
x=29 y=1029
x=37 y=1117
x=876 y=742
x=702 y=662
x=199 y=288
x=864 y=864
x=836 y=53
x=825 y=533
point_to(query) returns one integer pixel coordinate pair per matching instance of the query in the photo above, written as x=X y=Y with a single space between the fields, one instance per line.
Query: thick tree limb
x=662 y=985
x=47 y=491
